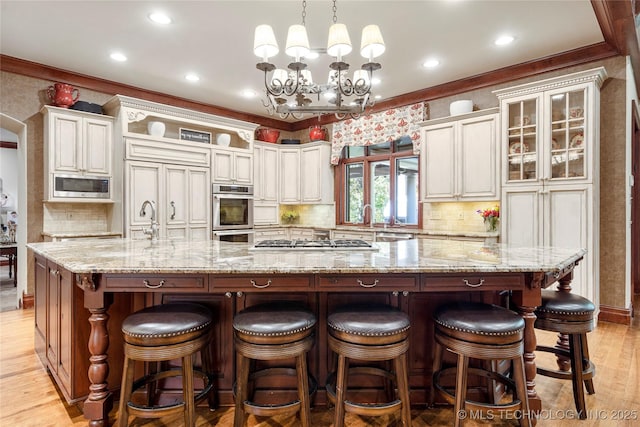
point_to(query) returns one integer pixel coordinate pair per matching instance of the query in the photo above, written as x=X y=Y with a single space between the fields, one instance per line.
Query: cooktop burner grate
x=314 y=244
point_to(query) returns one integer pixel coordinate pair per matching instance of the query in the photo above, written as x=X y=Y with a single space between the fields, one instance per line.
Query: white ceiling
x=215 y=40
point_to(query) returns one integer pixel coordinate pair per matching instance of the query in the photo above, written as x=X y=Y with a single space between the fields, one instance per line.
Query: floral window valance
x=376 y=128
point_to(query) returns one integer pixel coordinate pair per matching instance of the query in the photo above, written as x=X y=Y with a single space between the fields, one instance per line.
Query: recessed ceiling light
x=378 y=97
x=431 y=63
x=375 y=81
x=249 y=93
x=504 y=40
x=118 y=56
x=160 y=18
x=192 y=77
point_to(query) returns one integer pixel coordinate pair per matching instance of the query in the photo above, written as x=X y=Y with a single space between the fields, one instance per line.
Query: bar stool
x=486 y=332
x=570 y=314
x=273 y=331
x=378 y=333
x=160 y=333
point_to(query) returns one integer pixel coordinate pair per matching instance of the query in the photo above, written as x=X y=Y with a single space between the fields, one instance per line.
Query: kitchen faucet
x=364 y=210
x=153 y=231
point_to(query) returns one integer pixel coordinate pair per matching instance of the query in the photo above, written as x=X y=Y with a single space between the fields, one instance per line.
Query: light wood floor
x=28 y=396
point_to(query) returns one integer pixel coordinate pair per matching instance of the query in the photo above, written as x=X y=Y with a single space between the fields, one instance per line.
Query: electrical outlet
x=69 y=215
x=460 y=214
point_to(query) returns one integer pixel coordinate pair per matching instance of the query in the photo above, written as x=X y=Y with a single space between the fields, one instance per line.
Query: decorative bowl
x=267 y=135
x=461 y=107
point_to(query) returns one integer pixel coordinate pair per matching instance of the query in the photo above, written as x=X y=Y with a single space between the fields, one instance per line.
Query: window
x=380 y=184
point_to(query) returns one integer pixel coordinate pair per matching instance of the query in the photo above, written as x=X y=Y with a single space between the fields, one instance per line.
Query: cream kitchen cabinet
x=76 y=143
x=181 y=195
x=368 y=236
x=306 y=175
x=460 y=158
x=233 y=167
x=550 y=181
x=265 y=188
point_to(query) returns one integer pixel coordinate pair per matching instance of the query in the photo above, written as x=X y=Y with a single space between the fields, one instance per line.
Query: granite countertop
x=407 y=256
x=415 y=231
x=72 y=234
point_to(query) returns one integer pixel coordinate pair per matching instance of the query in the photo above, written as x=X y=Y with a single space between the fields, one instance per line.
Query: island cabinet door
x=41 y=279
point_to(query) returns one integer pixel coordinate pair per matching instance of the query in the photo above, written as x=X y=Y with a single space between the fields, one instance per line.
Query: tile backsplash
x=75 y=217
x=455 y=216
x=312 y=215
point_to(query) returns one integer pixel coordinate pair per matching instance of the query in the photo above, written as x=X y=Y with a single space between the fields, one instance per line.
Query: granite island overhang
x=414 y=275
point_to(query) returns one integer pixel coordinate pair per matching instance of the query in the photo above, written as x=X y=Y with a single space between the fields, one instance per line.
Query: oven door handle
x=232 y=196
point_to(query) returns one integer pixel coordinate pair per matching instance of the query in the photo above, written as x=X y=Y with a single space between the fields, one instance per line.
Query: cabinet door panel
x=143 y=183
x=175 y=203
x=65 y=366
x=199 y=196
x=521 y=216
x=478 y=155
x=222 y=167
x=97 y=147
x=269 y=175
x=311 y=188
x=243 y=168
x=290 y=176
x=67 y=139
x=53 y=316
x=439 y=162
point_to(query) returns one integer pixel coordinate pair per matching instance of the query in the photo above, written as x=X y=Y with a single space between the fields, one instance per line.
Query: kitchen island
x=85 y=288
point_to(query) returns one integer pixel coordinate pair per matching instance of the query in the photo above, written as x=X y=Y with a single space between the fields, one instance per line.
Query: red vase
x=63 y=95
x=317 y=133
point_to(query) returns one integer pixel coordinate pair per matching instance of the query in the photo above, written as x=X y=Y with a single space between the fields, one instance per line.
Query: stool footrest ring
x=368 y=409
x=267 y=410
x=588 y=372
x=157 y=410
x=470 y=404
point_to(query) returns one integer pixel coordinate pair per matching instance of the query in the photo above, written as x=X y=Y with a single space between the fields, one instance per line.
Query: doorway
x=635 y=199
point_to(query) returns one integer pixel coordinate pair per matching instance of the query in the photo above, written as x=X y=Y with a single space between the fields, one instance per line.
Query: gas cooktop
x=343 y=244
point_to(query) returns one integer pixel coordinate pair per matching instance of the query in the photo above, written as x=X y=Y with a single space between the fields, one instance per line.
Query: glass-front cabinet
x=549 y=135
x=550 y=180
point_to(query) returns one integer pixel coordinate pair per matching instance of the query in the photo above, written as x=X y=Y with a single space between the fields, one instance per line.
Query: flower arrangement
x=289 y=217
x=491 y=217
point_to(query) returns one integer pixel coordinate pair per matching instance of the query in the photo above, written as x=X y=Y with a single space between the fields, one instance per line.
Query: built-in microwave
x=81 y=186
x=232 y=206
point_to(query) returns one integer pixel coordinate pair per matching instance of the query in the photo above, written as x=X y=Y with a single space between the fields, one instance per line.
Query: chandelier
x=291 y=91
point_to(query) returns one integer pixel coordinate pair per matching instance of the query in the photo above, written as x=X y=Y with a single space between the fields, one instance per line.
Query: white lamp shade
x=264 y=42
x=306 y=75
x=281 y=75
x=297 y=42
x=372 y=44
x=361 y=75
x=339 y=43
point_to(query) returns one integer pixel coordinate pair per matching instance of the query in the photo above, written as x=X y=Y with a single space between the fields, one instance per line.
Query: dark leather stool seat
x=486 y=332
x=161 y=333
x=369 y=334
x=570 y=314
x=273 y=331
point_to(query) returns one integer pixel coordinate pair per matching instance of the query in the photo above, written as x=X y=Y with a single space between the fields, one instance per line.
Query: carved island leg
x=564 y=363
x=99 y=402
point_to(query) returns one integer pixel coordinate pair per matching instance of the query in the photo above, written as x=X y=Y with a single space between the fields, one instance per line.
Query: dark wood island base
x=100 y=297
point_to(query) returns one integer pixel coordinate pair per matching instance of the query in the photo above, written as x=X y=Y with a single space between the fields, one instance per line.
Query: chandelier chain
x=304 y=12
x=335 y=11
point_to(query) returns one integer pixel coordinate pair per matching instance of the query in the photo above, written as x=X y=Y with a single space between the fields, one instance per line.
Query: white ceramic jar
x=223 y=139
x=156 y=128
x=462 y=106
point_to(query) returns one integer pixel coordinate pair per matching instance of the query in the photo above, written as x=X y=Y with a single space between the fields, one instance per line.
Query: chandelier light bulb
x=264 y=42
x=372 y=44
x=339 y=42
x=297 y=42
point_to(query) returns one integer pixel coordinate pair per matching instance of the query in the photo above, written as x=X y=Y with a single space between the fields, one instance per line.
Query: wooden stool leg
x=125 y=391
x=437 y=365
x=400 y=364
x=585 y=356
x=575 y=348
x=187 y=391
x=341 y=385
x=303 y=390
x=207 y=368
x=521 y=391
x=241 y=390
x=461 y=387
